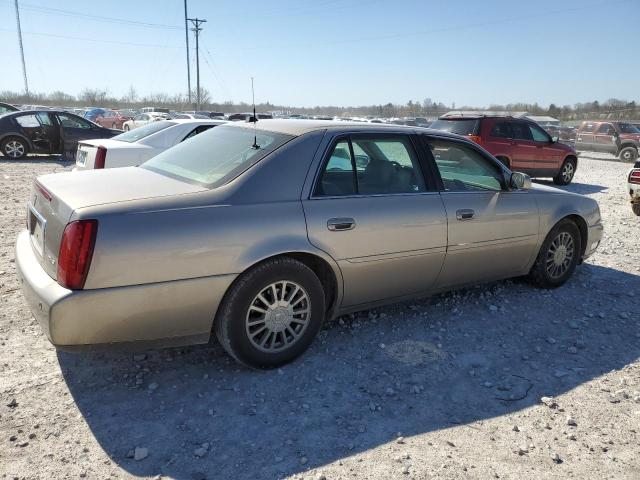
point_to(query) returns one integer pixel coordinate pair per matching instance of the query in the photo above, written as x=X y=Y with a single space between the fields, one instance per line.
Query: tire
x=114 y=126
x=547 y=271
x=245 y=321
x=566 y=173
x=636 y=208
x=628 y=154
x=126 y=128
x=14 y=148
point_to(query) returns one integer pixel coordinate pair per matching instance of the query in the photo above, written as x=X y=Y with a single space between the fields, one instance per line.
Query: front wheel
x=628 y=154
x=558 y=256
x=636 y=208
x=14 y=148
x=126 y=128
x=566 y=173
x=271 y=314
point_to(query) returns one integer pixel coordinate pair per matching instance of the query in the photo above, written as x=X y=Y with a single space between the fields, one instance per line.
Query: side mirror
x=520 y=181
x=554 y=139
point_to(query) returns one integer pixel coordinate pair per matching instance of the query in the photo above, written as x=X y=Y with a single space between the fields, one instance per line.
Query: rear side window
x=143 y=132
x=501 y=130
x=463 y=169
x=28 y=121
x=371 y=166
x=461 y=127
x=520 y=131
x=606 y=129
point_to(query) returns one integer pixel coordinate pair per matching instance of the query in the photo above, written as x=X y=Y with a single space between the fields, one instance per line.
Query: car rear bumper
x=168 y=313
x=594 y=236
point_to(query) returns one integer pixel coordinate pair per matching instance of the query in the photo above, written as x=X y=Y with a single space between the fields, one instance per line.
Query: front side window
x=628 y=128
x=216 y=156
x=463 y=169
x=71 y=121
x=538 y=134
x=371 y=166
x=587 y=128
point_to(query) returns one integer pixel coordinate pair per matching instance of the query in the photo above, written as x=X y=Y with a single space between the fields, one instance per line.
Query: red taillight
x=43 y=191
x=634 y=176
x=101 y=156
x=476 y=138
x=76 y=250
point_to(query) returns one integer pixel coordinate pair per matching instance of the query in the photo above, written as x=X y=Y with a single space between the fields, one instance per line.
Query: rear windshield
x=628 y=128
x=461 y=127
x=143 y=132
x=216 y=156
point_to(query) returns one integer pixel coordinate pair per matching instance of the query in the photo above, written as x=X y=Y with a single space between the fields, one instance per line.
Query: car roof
x=297 y=127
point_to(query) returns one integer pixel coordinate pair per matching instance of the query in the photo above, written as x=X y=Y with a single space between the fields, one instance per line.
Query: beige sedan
x=258 y=233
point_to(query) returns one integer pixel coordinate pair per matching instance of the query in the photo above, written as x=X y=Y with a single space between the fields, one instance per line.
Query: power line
x=97 y=18
x=87 y=39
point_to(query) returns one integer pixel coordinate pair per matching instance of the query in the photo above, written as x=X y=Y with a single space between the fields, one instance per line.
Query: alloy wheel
x=567 y=172
x=560 y=255
x=14 y=149
x=278 y=316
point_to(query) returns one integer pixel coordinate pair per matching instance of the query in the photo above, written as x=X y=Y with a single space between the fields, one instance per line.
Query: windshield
x=628 y=128
x=216 y=156
x=143 y=132
x=461 y=127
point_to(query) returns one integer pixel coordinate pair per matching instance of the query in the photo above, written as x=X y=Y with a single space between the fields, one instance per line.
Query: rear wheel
x=14 y=148
x=636 y=208
x=558 y=256
x=566 y=173
x=628 y=154
x=271 y=314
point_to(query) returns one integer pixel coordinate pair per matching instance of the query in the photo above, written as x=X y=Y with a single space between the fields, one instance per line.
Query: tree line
x=90 y=97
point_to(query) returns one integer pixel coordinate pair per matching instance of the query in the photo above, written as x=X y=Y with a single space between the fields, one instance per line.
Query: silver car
x=260 y=232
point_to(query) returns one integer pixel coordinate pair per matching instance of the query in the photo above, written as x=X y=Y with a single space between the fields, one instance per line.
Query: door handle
x=465 y=214
x=341 y=224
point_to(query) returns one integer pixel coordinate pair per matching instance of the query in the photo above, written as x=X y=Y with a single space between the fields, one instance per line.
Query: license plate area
x=37 y=226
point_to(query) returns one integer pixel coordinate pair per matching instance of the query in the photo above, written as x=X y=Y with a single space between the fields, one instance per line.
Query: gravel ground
x=449 y=387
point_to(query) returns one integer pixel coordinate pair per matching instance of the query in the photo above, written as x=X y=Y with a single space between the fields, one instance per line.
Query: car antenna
x=254 y=119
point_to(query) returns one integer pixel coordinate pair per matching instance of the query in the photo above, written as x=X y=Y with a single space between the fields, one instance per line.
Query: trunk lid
x=87 y=149
x=55 y=197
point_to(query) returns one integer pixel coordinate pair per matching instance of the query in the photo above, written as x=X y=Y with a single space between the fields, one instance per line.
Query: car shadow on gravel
x=35 y=159
x=581 y=188
x=407 y=370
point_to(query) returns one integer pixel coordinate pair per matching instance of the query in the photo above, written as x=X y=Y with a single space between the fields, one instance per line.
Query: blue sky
x=333 y=52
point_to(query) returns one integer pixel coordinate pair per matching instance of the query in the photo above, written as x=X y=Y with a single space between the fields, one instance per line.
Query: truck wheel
x=628 y=154
x=636 y=208
x=566 y=173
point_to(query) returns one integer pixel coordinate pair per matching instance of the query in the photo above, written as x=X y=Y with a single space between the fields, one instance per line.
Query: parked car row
x=257 y=232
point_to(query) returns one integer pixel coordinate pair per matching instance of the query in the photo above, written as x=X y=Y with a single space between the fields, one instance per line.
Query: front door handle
x=341 y=224
x=465 y=214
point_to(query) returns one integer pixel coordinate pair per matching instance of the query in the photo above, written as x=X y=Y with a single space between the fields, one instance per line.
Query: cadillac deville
x=257 y=233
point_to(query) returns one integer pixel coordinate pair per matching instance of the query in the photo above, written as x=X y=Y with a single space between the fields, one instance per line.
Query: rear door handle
x=341 y=224
x=465 y=214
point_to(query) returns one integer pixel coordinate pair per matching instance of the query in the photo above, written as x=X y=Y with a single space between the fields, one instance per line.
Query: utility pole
x=24 y=68
x=196 y=28
x=186 y=34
